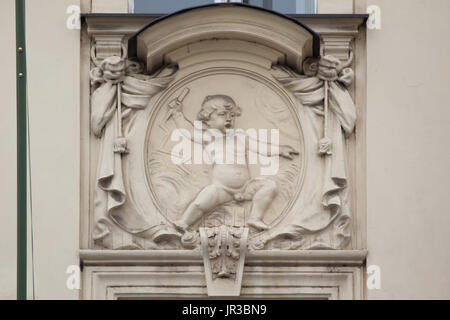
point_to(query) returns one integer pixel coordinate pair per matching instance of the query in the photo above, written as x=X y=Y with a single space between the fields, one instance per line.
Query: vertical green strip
x=21 y=89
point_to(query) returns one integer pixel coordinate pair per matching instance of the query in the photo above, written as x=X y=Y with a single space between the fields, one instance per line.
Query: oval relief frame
x=183 y=81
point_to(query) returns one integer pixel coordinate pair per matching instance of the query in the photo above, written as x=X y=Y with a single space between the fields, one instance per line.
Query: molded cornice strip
x=187 y=257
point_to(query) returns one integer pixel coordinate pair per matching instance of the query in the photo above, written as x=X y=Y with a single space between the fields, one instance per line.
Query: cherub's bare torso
x=230 y=175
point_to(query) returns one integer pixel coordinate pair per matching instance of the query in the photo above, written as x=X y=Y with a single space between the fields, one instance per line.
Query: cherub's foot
x=180 y=225
x=257 y=224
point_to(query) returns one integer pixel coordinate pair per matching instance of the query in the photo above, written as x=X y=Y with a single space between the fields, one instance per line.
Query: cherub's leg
x=266 y=191
x=208 y=199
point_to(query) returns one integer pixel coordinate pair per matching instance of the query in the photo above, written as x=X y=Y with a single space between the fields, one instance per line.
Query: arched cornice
x=230 y=21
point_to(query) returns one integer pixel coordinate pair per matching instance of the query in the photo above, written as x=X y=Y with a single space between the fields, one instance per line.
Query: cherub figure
x=229 y=181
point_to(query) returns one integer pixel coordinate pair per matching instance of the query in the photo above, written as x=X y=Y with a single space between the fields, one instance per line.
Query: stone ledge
x=307 y=258
x=139 y=257
x=129 y=24
x=254 y=258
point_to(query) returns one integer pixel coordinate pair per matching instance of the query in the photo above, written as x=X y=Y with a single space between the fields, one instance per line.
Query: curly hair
x=212 y=103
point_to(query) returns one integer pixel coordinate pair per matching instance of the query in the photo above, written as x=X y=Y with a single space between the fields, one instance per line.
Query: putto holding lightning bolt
x=230 y=180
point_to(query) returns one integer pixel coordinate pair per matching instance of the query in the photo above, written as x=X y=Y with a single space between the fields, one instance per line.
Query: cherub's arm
x=181 y=122
x=271 y=150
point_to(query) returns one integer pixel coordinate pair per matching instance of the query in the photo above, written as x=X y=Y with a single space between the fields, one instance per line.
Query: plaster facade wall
x=109 y=6
x=335 y=6
x=53 y=55
x=408 y=125
x=8 y=153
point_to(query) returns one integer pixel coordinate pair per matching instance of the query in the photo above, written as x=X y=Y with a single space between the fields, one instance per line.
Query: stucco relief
x=227 y=129
x=143 y=200
x=213 y=193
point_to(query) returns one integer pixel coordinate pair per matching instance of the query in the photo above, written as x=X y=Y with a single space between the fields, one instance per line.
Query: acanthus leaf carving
x=224 y=249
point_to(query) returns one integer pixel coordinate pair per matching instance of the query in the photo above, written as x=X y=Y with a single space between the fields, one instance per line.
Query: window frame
x=131 y=7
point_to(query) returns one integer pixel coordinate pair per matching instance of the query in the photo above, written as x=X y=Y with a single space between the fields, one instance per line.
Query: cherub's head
x=219 y=112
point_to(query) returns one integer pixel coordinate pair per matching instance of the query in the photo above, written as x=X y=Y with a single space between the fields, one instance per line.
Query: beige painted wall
x=335 y=6
x=109 y=6
x=408 y=149
x=8 y=152
x=54 y=78
x=53 y=91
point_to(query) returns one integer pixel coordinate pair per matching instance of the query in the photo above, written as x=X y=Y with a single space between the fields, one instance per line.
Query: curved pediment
x=291 y=38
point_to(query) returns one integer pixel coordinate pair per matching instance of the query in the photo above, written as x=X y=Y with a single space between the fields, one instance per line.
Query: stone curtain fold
x=110 y=194
x=324 y=193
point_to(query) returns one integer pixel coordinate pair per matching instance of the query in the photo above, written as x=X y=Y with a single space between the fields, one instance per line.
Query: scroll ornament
x=119 y=92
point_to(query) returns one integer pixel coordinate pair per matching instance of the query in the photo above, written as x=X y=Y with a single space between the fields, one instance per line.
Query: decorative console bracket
x=223 y=250
x=105 y=46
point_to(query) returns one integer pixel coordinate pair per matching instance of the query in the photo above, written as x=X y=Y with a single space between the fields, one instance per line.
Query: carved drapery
x=329 y=196
x=118 y=92
x=326 y=103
